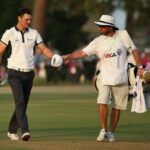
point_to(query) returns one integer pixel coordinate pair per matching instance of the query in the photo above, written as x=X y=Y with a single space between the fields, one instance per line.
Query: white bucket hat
x=106 y=20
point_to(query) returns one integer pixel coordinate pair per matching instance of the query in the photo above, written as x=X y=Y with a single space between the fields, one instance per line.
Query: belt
x=21 y=70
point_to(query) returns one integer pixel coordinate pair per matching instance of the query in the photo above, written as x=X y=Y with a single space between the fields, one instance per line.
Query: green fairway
x=66 y=118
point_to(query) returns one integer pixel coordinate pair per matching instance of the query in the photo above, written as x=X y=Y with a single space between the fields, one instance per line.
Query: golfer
x=22 y=40
x=112 y=79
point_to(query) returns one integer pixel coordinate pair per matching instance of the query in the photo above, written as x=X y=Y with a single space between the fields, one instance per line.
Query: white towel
x=138 y=103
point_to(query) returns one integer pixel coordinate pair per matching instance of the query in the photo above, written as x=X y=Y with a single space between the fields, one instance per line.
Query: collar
x=26 y=30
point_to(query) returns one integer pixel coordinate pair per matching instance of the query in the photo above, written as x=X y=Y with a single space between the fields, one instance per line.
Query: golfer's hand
x=140 y=72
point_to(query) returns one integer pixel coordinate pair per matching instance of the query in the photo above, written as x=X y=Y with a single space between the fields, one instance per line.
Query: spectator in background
x=71 y=71
x=52 y=73
x=146 y=59
x=37 y=61
x=89 y=67
x=75 y=71
x=3 y=75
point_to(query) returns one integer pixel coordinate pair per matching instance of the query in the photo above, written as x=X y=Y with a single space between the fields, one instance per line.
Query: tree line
x=64 y=19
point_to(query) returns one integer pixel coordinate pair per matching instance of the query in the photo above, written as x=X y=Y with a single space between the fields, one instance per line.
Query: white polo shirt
x=113 y=55
x=22 y=45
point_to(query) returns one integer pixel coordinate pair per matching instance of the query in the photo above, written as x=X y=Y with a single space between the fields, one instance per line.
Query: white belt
x=21 y=70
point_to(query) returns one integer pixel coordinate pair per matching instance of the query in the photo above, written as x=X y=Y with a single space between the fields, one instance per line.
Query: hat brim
x=147 y=51
x=105 y=24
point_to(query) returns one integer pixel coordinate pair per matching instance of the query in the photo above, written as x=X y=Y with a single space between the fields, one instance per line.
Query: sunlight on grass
x=69 y=117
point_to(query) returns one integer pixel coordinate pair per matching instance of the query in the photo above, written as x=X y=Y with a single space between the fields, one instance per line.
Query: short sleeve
x=129 y=44
x=90 y=49
x=38 y=38
x=6 y=37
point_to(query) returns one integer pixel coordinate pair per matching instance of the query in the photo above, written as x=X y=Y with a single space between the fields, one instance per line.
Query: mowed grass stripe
x=73 y=119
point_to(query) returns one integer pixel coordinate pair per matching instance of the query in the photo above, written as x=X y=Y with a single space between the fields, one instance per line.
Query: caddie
x=112 y=48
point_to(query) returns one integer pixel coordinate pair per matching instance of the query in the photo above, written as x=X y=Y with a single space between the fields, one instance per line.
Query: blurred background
x=68 y=25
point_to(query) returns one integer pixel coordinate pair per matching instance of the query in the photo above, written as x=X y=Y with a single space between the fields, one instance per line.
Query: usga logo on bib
x=117 y=53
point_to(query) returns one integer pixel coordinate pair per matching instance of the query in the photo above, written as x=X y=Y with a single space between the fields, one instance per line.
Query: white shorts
x=117 y=95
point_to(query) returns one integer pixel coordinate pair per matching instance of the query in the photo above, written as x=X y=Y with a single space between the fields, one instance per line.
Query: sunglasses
x=103 y=26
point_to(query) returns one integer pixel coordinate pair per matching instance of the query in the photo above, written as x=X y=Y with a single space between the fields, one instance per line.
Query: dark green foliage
x=8 y=17
x=138 y=14
x=8 y=14
x=65 y=18
x=65 y=32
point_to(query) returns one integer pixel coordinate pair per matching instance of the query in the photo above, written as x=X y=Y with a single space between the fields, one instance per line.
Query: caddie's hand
x=140 y=72
x=65 y=59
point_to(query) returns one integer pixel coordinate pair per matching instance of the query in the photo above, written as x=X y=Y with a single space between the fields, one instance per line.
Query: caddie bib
x=114 y=62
